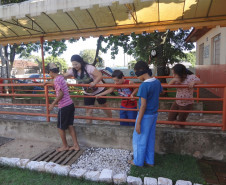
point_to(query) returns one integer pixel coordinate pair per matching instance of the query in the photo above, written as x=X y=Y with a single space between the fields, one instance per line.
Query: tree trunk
x=99 y=41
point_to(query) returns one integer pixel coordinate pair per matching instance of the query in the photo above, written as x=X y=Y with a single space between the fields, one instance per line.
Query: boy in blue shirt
x=144 y=132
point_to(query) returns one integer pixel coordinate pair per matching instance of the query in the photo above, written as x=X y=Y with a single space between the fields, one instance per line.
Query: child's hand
x=131 y=96
x=138 y=128
x=97 y=96
x=191 y=84
x=92 y=84
x=51 y=107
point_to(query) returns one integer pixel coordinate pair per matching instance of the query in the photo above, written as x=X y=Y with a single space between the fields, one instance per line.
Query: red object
x=127 y=93
x=1 y=88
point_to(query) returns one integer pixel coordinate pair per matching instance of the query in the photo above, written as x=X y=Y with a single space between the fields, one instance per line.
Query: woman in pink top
x=85 y=73
x=182 y=76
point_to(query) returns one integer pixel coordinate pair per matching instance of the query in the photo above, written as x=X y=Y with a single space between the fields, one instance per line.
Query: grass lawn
x=172 y=166
x=17 y=176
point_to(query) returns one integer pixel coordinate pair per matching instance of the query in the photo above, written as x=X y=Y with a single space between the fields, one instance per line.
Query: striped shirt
x=60 y=84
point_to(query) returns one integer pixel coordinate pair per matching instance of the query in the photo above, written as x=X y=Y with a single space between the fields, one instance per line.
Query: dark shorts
x=91 y=101
x=65 y=117
x=180 y=116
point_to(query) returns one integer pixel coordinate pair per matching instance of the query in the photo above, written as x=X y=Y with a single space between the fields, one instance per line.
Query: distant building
x=22 y=68
x=210 y=55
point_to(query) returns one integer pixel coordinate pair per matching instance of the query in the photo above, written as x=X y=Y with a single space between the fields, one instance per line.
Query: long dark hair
x=80 y=60
x=142 y=66
x=181 y=71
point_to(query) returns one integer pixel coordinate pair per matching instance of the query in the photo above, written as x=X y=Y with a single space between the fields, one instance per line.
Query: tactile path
x=62 y=158
x=4 y=140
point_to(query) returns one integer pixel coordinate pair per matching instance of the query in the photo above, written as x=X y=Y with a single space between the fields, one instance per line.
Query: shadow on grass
x=172 y=166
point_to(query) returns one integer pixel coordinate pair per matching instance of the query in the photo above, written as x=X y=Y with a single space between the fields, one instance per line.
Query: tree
x=169 y=47
x=131 y=64
x=60 y=62
x=11 y=1
x=54 y=48
x=191 y=57
x=89 y=55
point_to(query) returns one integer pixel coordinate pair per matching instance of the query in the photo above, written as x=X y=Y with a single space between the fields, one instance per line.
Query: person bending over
x=119 y=79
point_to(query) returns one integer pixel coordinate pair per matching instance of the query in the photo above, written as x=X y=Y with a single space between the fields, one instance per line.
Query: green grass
x=172 y=166
x=16 y=176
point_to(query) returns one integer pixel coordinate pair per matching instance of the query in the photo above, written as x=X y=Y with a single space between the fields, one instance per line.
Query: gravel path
x=97 y=159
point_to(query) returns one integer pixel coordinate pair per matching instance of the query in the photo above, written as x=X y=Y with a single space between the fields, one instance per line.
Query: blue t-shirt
x=150 y=90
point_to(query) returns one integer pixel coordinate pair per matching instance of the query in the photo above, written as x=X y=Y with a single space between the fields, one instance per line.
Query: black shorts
x=91 y=101
x=65 y=117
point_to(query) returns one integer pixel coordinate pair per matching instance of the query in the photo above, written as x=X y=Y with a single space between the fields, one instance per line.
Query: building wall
x=212 y=73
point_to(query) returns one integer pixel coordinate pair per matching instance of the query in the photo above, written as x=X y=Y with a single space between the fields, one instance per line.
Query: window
x=201 y=54
x=216 y=49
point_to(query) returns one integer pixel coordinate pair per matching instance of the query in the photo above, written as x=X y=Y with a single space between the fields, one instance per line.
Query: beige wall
x=207 y=40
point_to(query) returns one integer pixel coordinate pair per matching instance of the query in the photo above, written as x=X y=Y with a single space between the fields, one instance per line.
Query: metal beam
x=112 y=15
x=24 y=27
x=72 y=20
x=35 y=23
x=17 y=22
x=52 y=20
x=91 y=17
x=9 y=29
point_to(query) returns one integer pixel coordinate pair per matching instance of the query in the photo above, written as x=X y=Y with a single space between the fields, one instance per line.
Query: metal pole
x=47 y=103
x=43 y=61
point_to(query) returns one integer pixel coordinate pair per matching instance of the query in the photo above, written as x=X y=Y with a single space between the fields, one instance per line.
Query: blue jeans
x=125 y=114
x=144 y=143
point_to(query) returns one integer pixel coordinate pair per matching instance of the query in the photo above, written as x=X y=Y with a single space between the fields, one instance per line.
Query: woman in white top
x=85 y=73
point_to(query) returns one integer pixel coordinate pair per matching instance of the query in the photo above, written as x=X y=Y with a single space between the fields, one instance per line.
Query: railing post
x=224 y=110
x=11 y=81
x=47 y=103
x=197 y=93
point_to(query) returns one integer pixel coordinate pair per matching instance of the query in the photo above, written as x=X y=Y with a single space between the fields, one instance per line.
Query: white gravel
x=97 y=159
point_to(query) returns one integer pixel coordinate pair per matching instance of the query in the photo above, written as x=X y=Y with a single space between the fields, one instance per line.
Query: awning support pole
x=43 y=61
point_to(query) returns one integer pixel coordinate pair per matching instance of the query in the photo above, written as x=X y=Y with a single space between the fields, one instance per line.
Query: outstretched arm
x=108 y=91
x=67 y=75
x=134 y=91
x=97 y=77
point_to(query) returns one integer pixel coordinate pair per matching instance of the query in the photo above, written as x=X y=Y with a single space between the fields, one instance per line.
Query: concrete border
x=209 y=143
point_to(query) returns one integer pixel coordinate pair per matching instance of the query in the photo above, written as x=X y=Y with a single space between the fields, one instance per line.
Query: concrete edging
x=207 y=142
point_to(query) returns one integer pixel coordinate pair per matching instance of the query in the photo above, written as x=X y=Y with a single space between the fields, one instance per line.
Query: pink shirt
x=60 y=84
x=186 y=92
x=90 y=69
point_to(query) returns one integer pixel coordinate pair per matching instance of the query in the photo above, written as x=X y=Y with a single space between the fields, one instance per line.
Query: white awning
x=64 y=19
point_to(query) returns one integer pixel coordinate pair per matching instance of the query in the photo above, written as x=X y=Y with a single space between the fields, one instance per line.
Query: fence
x=47 y=94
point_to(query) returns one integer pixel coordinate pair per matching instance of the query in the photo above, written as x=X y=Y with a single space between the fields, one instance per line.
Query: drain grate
x=62 y=158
